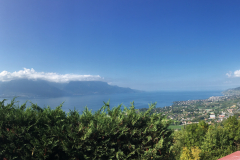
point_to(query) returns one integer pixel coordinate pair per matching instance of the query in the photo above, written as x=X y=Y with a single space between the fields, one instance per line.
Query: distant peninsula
x=232 y=92
x=41 y=88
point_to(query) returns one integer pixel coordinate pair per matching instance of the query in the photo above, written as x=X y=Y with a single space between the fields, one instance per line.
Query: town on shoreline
x=212 y=110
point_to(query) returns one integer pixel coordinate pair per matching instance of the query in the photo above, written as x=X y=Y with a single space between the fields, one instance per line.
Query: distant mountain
x=29 y=88
x=232 y=92
x=94 y=87
x=41 y=88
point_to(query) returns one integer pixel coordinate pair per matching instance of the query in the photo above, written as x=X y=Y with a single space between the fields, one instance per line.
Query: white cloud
x=237 y=73
x=49 y=76
x=229 y=74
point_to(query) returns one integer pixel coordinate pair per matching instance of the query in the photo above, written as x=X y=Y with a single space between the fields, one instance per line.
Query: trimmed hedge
x=36 y=133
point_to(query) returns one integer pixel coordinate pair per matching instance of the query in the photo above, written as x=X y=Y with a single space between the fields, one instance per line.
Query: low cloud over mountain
x=31 y=74
x=29 y=83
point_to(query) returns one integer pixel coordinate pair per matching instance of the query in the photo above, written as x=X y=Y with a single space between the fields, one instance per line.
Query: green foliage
x=212 y=141
x=216 y=143
x=232 y=127
x=190 y=154
x=36 y=133
x=194 y=134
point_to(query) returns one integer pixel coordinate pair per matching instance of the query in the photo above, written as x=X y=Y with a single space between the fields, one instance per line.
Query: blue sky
x=142 y=44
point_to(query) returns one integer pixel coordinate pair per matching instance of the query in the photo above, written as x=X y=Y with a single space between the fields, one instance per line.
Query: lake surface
x=95 y=102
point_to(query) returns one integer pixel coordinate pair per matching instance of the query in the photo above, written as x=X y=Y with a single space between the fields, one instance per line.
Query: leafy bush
x=209 y=142
x=36 y=133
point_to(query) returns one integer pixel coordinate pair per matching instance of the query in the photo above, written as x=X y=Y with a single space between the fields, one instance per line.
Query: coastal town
x=212 y=110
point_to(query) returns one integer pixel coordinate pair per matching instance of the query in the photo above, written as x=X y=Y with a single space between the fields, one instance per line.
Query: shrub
x=36 y=133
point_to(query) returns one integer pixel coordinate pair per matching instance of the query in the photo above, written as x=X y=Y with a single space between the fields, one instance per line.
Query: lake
x=95 y=102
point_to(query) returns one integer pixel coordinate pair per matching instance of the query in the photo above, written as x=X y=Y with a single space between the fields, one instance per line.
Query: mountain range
x=41 y=88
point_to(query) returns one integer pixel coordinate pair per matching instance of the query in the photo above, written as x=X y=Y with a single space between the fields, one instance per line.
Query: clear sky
x=151 y=45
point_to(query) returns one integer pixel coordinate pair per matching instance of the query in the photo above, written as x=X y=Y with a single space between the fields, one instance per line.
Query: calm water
x=95 y=102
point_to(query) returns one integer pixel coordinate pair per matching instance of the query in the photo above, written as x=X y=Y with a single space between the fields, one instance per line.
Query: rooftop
x=233 y=156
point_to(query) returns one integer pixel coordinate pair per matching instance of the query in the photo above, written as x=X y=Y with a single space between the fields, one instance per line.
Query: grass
x=175 y=127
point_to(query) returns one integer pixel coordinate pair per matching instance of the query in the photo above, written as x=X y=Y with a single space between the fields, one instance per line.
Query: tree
x=216 y=143
x=194 y=134
x=231 y=126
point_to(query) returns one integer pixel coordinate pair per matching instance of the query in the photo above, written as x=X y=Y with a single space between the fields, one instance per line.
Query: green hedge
x=36 y=133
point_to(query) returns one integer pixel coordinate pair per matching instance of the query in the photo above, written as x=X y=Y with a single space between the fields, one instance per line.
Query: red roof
x=233 y=156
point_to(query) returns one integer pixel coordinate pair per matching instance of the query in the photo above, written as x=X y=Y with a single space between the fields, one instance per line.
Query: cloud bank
x=235 y=74
x=52 y=77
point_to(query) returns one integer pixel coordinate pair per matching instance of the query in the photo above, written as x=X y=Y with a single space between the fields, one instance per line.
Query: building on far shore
x=212 y=116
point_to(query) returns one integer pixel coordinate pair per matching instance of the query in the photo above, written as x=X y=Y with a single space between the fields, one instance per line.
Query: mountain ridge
x=42 y=88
